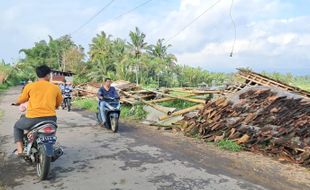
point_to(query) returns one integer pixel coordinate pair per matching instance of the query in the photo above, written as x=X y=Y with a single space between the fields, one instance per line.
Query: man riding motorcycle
x=66 y=91
x=43 y=99
x=106 y=91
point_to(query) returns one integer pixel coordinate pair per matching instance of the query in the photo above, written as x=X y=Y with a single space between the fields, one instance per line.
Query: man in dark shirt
x=106 y=91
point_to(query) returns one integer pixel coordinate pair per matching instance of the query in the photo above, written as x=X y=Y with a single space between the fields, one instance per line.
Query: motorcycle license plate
x=47 y=139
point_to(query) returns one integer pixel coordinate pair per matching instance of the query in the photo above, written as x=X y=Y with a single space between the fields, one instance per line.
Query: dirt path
x=137 y=157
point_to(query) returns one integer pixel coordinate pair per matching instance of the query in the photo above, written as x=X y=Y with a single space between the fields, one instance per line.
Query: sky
x=272 y=35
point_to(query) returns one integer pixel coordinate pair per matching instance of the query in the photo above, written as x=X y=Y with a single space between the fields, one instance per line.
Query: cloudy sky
x=272 y=35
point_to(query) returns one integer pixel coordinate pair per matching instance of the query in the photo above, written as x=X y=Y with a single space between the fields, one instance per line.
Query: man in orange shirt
x=43 y=99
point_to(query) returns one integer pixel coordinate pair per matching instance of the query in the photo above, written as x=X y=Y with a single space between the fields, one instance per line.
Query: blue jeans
x=102 y=105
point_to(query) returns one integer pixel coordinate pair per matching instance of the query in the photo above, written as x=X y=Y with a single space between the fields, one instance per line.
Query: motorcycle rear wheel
x=43 y=164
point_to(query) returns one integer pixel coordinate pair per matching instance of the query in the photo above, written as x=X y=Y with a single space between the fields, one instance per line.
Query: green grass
x=87 y=103
x=133 y=112
x=127 y=112
x=229 y=145
x=3 y=87
x=179 y=104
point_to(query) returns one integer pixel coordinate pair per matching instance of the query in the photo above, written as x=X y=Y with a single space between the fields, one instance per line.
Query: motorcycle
x=66 y=99
x=39 y=147
x=112 y=113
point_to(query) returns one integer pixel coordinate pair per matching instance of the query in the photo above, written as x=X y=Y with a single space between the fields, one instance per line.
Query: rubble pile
x=261 y=121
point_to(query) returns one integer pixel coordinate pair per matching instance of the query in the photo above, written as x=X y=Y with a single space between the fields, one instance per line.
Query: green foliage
x=133 y=112
x=148 y=65
x=302 y=82
x=87 y=103
x=229 y=145
x=179 y=104
x=127 y=112
x=4 y=86
x=52 y=53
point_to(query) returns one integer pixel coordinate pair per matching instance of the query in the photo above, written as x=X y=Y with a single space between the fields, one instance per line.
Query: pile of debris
x=255 y=79
x=261 y=119
x=123 y=87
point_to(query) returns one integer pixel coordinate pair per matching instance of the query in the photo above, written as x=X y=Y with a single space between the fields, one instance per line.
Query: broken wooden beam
x=180 y=97
x=145 y=102
x=183 y=111
x=168 y=99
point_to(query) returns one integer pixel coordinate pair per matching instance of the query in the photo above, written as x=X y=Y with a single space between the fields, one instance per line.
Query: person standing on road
x=106 y=91
x=43 y=99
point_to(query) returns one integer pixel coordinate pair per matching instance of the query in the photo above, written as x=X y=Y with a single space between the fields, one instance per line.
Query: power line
x=232 y=20
x=91 y=18
x=130 y=10
x=194 y=20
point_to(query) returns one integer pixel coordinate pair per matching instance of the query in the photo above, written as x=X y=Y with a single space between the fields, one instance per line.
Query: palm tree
x=137 y=45
x=161 y=51
x=165 y=61
x=98 y=71
x=100 y=47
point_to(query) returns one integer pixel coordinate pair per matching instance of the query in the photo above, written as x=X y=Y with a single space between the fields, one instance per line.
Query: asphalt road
x=135 y=158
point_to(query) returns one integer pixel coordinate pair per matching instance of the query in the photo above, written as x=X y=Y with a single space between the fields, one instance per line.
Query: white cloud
x=264 y=39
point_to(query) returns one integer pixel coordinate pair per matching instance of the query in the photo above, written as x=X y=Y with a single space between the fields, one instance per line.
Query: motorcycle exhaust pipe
x=57 y=153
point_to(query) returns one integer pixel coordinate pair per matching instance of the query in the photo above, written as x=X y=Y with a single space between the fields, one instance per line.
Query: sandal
x=18 y=155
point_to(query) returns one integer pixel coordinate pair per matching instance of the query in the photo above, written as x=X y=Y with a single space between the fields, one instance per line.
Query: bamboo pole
x=180 y=112
x=147 y=103
x=180 y=97
x=79 y=89
x=167 y=99
x=127 y=101
x=199 y=91
x=147 y=96
x=161 y=100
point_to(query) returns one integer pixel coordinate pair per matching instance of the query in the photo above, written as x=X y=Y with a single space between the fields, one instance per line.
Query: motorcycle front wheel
x=43 y=164
x=68 y=104
x=114 y=124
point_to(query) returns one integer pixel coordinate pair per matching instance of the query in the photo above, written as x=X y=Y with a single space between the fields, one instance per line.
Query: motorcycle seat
x=43 y=123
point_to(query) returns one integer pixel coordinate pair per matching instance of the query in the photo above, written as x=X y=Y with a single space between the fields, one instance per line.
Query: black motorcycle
x=66 y=103
x=39 y=146
x=112 y=113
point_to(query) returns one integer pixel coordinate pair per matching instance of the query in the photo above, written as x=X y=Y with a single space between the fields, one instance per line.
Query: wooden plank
x=180 y=112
